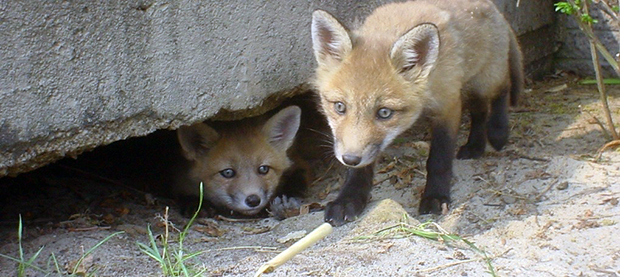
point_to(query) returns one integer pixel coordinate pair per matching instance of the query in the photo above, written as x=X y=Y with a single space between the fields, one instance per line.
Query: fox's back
x=466 y=29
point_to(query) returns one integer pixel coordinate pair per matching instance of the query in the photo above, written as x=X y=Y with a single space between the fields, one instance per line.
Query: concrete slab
x=79 y=74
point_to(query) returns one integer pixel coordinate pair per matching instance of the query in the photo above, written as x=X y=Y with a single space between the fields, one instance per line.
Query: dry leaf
x=613 y=201
x=557 y=88
x=255 y=231
x=82 y=268
x=210 y=230
x=122 y=211
x=108 y=219
x=292 y=236
x=388 y=167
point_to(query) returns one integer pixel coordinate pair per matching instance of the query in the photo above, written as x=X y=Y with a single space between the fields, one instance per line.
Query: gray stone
x=382 y=214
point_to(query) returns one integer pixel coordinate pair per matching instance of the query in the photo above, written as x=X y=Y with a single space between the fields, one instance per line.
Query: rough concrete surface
x=76 y=75
x=79 y=74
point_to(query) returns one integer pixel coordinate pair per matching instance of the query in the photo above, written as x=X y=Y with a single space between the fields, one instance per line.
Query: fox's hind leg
x=498 y=127
x=477 y=140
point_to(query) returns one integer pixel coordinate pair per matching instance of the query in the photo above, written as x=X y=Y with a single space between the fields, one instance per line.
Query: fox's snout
x=356 y=156
x=249 y=204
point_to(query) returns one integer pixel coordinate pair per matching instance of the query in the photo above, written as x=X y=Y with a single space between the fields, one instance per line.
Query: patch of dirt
x=541 y=207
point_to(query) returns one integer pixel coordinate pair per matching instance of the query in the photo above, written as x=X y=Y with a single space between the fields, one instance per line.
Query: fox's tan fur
x=242 y=146
x=464 y=49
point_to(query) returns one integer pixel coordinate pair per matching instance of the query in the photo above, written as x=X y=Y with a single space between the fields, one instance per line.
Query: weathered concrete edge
x=42 y=150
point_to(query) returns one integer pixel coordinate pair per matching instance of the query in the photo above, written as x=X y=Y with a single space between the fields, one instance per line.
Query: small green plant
x=431 y=230
x=171 y=260
x=580 y=11
x=24 y=263
x=76 y=268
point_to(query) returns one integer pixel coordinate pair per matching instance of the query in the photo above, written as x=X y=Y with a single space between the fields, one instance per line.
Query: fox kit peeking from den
x=412 y=59
x=243 y=165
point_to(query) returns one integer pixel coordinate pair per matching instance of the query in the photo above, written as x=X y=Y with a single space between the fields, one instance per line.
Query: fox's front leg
x=353 y=196
x=439 y=165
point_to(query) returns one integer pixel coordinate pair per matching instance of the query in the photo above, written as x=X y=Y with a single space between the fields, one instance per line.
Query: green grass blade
x=610 y=81
x=20 y=266
x=191 y=221
x=79 y=262
x=56 y=265
x=34 y=257
x=193 y=255
x=154 y=247
x=24 y=264
x=150 y=252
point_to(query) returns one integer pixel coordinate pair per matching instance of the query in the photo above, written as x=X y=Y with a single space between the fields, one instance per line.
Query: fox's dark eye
x=263 y=169
x=384 y=113
x=228 y=173
x=340 y=107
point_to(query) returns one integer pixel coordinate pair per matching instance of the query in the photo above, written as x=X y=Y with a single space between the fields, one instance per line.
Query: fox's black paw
x=498 y=137
x=283 y=207
x=341 y=211
x=434 y=205
x=470 y=151
x=498 y=130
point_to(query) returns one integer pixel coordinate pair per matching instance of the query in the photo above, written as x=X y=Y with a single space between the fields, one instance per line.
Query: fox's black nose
x=252 y=201
x=351 y=160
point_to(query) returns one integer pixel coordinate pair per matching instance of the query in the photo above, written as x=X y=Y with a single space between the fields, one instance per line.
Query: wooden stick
x=314 y=236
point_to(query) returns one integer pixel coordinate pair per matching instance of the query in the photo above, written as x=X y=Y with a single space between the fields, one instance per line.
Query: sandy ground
x=542 y=207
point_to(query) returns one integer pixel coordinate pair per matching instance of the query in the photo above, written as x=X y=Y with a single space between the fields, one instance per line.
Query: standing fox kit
x=410 y=59
x=239 y=163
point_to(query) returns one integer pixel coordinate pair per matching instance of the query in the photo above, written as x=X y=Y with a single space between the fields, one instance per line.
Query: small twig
x=548 y=188
x=598 y=122
x=514 y=195
x=223 y=218
x=168 y=224
x=255 y=248
x=526 y=157
x=523 y=156
x=382 y=180
x=601 y=86
x=95 y=228
x=607 y=272
x=600 y=151
x=420 y=172
x=492 y=205
x=439 y=267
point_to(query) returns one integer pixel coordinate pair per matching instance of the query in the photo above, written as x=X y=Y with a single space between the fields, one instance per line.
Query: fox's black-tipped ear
x=415 y=53
x=281 y=128
x=330 y=40
x=196 y=140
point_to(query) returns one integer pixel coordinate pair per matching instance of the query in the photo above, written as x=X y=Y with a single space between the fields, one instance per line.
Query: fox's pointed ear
x=196 y=140
x=330 y=40
x=281 y=128
x=415 y=53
